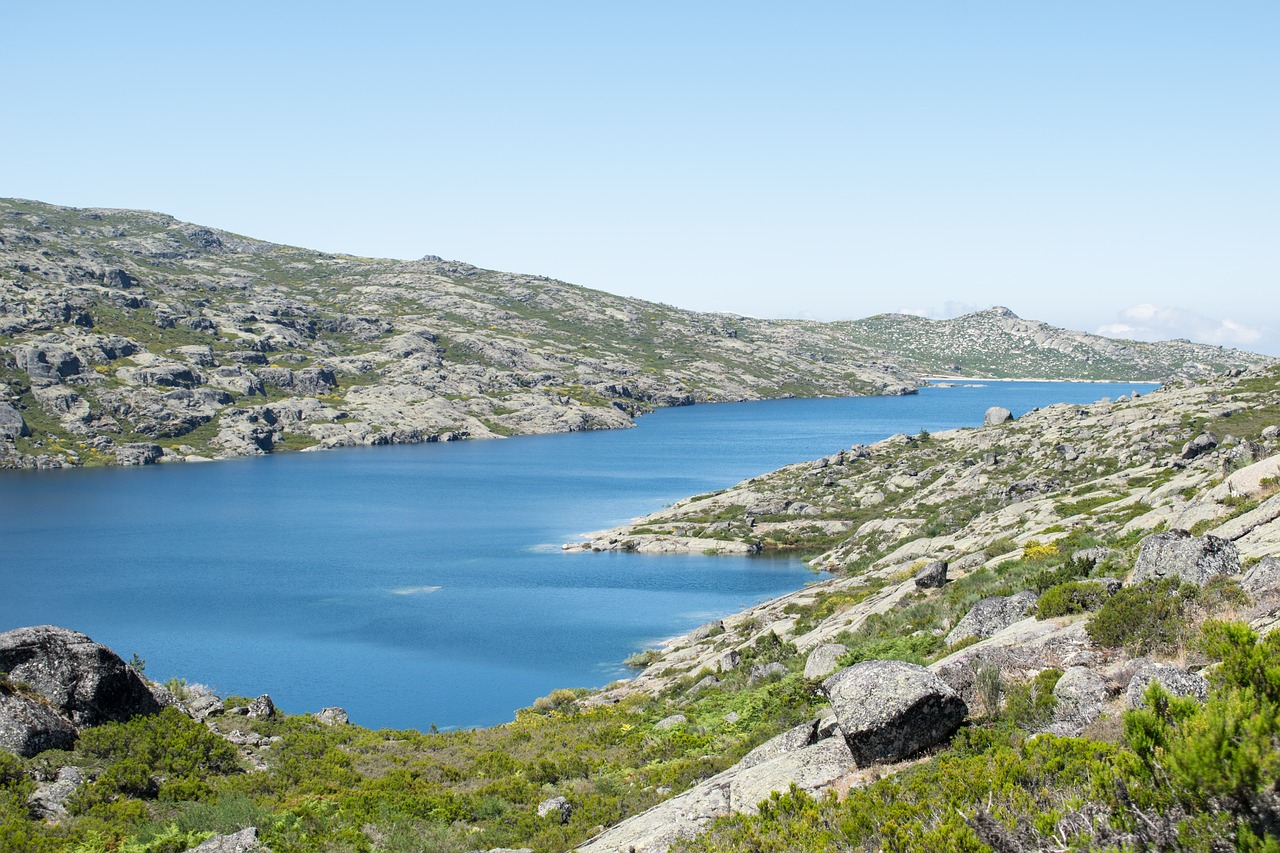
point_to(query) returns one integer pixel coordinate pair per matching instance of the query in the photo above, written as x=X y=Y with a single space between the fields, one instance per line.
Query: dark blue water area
x=425 y=584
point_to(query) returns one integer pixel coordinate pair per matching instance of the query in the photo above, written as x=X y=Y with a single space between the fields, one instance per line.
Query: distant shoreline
x=933 y=379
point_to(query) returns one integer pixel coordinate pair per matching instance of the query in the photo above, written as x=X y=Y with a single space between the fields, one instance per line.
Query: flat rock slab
x=890 y=710
x=655 y=830
x=811 y=769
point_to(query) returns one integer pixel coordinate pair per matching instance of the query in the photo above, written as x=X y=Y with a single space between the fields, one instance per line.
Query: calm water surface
x=425 y=584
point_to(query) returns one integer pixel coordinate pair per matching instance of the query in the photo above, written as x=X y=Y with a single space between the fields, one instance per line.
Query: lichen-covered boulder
x=28 y=726
x=789 y=741
x=558 y=809
x=1174 y=679
x=823 y=660
x=87 y=682
x=992 y=615
x=889 y=710
x=1263 y=577
x=996 y=415
x=932 y=576
x=1178 y=554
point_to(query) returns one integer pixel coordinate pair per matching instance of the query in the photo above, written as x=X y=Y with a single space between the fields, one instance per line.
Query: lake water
x=425 y=584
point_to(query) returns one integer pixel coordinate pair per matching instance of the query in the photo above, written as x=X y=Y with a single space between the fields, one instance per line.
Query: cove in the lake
x=420 y=585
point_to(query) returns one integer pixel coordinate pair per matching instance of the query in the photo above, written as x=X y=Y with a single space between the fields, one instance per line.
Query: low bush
x=1071 y=597
x=1149 y=617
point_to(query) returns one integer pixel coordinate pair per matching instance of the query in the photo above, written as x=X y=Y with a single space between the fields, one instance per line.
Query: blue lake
x=424 y=584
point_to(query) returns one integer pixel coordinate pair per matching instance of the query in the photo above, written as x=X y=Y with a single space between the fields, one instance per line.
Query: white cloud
x=1147 y=322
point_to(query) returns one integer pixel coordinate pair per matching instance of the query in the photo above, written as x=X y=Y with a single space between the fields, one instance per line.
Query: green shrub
x=1030 y=704
x=1146 y=618
x=1068 y=598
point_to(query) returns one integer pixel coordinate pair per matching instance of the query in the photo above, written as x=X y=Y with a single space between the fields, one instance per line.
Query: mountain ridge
x=129 y=337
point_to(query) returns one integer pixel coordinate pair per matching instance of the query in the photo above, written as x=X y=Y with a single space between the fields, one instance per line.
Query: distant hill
x=128 y=337
x=997 y=343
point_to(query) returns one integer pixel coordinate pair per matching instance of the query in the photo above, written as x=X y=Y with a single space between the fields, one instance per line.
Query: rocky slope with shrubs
x=128 y=337
x=1049 y=633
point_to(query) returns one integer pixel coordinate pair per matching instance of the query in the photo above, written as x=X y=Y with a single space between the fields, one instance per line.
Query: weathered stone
x=1262 y=577
x=996 y=415
x=49 y=798
x=332 y=716
x=991 y=615
x=1081 y=693
x=889 y=710
x=559 y=808
x=823 y=660
x=237 y=842
x=138 y=453
x=11 y=423
x=1178 y=554
x=261 y=708
x=810 y=768
x=655 y=830
x=1173 y=679
x=671 y=722
x=932 y=576
x=28 y=726
x=710 y=629
x=86 y=682
x=763 y=671
x=789 y=741
x=1201 y=444
x=729 y=660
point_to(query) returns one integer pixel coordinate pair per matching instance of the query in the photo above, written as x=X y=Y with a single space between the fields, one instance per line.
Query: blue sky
x=1103 y=166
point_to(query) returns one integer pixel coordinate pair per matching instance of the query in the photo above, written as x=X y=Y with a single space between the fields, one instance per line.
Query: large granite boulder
x=889 y=710
x=28 y=726
x=237 y=842
x=11 y=423
x=932 y=576
x=1174 y=679
x=823 y=660
x=996 y=415
x=1178 y=554
x=992 y=615
x=87 y=682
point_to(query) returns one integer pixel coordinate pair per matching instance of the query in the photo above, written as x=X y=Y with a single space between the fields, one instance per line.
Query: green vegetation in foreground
x=1178 y=775
x=163 y=781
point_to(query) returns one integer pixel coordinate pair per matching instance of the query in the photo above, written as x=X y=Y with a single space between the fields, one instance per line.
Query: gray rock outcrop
x=49 y=799
x=932 y=576
x=237 y=842
x=889 y=710
x=28 y=726
x=1174 y=679
x=558 y=808
x=1263 y=577
x=996 y=415
x=11 y=423
x=1178 y=554
x=261 y=708
x=823 y=660
x=992 y=615
x=86 y=682
x=332 y=716
x=1081 y=695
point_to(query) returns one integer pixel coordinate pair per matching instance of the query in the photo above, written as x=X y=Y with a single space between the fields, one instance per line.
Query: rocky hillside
x=998 y=343
x=129 y=337
x=1045 y=634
